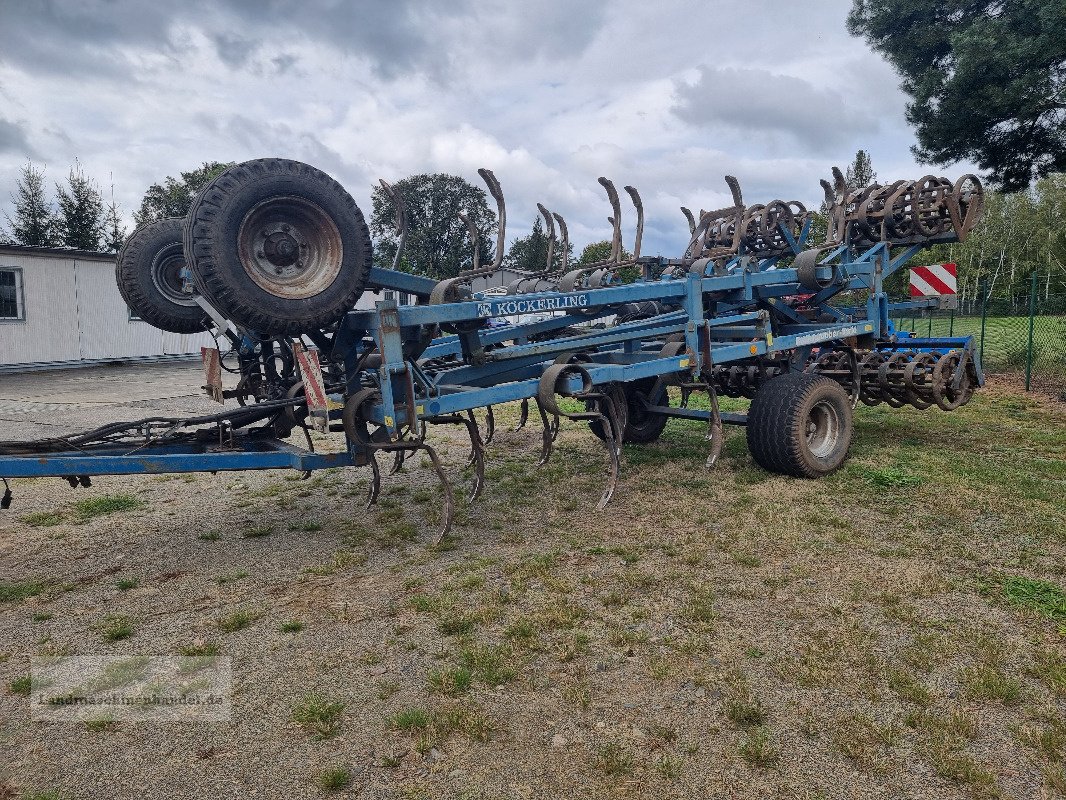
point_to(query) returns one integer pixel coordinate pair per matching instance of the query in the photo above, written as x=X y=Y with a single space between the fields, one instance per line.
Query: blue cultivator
x=274 y=254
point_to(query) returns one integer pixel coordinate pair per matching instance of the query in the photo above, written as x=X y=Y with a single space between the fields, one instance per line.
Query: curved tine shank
x=473 y=234
x=564 y=241
x=501 y=213
x=523 y=414
x=446 y=489
x=547 y=437
x=397 y=461
x=616 y=219
x=839 y=184
x=734 y=189
x=608 y=418
x=550 y=222
x=715 y=432
x=490 y=425
x=400 y=212
x=477 y=456
x=689 y=218
x=375 y=482
x=634 y=195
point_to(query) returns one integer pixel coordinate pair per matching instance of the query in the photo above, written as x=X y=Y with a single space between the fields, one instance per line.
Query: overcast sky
x=668 y=96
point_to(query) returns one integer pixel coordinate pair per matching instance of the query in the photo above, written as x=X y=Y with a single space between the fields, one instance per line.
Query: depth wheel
x=148 y=273
x=278 y=246
x=641 y=427
x=800 y=424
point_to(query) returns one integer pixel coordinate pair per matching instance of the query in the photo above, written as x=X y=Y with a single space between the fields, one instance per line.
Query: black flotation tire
x=211 y=239
x=777 y=429
x=151 y=255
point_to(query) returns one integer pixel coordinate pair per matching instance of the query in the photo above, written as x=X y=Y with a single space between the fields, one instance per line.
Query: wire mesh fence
x=1024 y=334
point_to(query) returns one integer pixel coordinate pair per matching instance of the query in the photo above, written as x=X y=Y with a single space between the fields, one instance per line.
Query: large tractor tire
x=800 y=424
x=148 y=273
x=640 y=426
x=278 y=246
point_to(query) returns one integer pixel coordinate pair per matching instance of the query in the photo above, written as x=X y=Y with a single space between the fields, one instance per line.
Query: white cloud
x=668 y=97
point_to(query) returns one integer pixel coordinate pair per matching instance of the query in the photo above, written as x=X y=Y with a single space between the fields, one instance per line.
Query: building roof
x=11 y=247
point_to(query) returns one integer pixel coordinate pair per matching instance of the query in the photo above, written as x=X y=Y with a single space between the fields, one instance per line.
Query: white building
x=61 y=307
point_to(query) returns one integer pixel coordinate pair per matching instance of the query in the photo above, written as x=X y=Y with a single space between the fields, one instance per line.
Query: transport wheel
x=641 y=427
x=148 y=273
x=278 y=246
x=800 y=424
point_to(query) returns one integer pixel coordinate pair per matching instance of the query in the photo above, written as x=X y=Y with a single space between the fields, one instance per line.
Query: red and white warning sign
x=314 y=391
x=936 y=279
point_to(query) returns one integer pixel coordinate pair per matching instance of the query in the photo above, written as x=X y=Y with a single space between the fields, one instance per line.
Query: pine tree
x=861 y=172
x=81 y=211
x=34 y=223
x=114 y=230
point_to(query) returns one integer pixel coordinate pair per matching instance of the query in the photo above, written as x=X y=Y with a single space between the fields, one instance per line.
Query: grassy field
x=895 y=630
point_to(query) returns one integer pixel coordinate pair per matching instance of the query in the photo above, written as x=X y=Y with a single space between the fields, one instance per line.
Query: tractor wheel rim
x=823 y=429
x=290 y=247
x=167 y=268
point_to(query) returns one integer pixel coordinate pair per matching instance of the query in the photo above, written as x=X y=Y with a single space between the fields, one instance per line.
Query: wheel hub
x=290 y=247
x=823 y=429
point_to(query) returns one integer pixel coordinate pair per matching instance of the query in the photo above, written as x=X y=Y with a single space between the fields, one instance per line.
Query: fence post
x=951 y=323
x=984 y=314
x=929 y=330
x=1032 y=318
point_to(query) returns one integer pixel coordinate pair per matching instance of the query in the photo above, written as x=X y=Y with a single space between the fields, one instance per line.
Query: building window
x=12 y=307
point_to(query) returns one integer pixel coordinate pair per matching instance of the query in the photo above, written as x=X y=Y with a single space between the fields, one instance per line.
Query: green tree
x=530 y=253
x=80 y=220
x=987 y=79
x=34 y=222
x=599 y=251
x=173 y=197
x=114 y=230
x=861 y=171
x=437 y=244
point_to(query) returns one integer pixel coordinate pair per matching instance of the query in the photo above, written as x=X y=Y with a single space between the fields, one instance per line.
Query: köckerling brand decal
x=506 y=308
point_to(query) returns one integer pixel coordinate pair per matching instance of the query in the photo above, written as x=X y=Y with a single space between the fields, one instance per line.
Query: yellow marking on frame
x=420 y=409
x=769 y=339
x=388 y=421
x=869 y=328
x=683 y=362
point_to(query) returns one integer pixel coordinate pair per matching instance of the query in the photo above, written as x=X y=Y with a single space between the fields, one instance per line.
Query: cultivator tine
x=715 y=431
x=400 y=212
x=523 y=415
x=548 y=436
x=397 y=461
x=564 y=242
x=615 y=219
x=634 y=195
x=501 y=214
x=554 y=382
x=473 y=234
x=690 y=220
x=446 y=489
x=549 y=221
x=490 y=425
x=477 y=457
x=374 y=489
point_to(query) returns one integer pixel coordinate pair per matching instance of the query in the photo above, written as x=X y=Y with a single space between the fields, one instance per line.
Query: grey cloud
x=759 y=101
x=14 y=139
x=233 y=50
